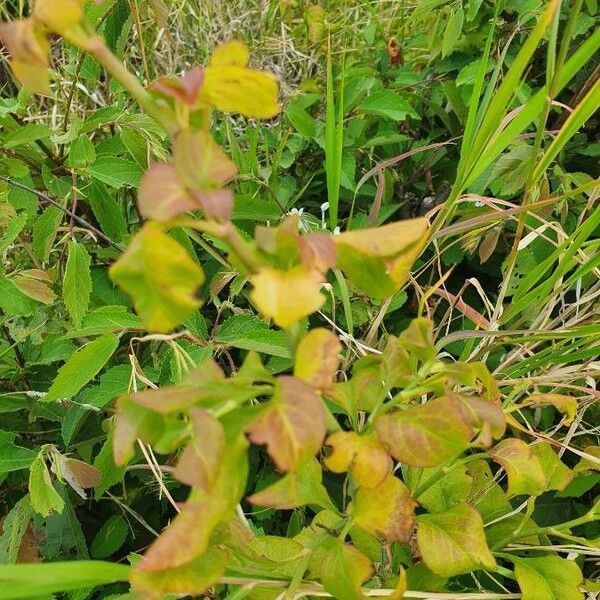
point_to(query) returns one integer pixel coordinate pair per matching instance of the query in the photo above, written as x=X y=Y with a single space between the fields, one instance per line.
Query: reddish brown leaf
x=292 y=425
x=184 y=90
x=317 y=251
x=215 y=204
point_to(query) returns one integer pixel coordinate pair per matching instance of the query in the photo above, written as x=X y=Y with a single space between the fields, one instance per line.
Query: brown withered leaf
x=317 y=358
x=200 y=461
x=79 y=475
x=29 y=50
x=425 y=435
x=184 y=89
x=363 y=456
x=292 y=425
x=386 y=511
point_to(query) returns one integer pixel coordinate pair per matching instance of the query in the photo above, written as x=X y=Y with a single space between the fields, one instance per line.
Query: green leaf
x=453 y=542
x=426 y=435
x=13 y=301
x=14 y=527
x=523 y=467
x=105 y=463
x=110 y=538
x=44 y=498
x=116 y=172
x=81 y=153
x=453 y=29
x=343 y=569
x=13 y=457
x=107 y=211
x=161 y=278
x=388 y=104
x=82 y=367
x=44 y=232
x=248 y=332
x=26 y=134
x=24 y=582
x=77 y=283
x=548 y=578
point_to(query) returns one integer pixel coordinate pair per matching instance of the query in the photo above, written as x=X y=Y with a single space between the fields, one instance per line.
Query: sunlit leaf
x=548 y=578
x=523 y=467
x=233 y=53
x=386 y=511
x=451 y=489
x=317 y=360
x=453 y=542
x=287 y=296
x=558 y=475
x=362 y=455
x=567 y=405
x=161 y=278
x=426 y=435
x=44 y=498
x=292 y=425
x=58 y=15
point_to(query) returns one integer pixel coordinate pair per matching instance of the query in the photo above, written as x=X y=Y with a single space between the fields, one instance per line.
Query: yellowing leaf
x=161 y=278
x=523 y=467
x=233 y=53
x=292 y=425
x=241 y=90
x=453 y=542
x=286 y=296
x=567 y=405
x=58 y=15
x=343 y=569
x=34 y=286
x=548 y=578
x=556 y=472
x=317 y=360
x=296 y=489
x=200 y=461
x=29 y=52
x=386 y=511
x=362 y=455
x=426 y=435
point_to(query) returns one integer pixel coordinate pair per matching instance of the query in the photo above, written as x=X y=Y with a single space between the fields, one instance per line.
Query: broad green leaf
x=287 y=296
x=548 y=578
x=44 y=232
x=81 y=153
x=388 y=104
x=292 y=425
x=160 y=277
x=316 y=360
x=115 y=171
x=558 y=475
x=13 y=457
x=13 y=301
x=343 y=569
x=248 y=332
x=110 y=538
x=25 y=582
x=453 y=542
x=426 y=435
x=452 y=489
x=363 y=456
x=453 y=29
x=14 y=526
x=26 y=134
x=82 y=367
x=105 y=463
x=296 y=489
x=107 y=210
x=191 y=579
x=523 y=467
x=386 y=511
x=44 y=498
x=77 y=283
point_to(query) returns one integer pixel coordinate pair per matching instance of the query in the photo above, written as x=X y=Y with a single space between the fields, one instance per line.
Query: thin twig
x=68 y=212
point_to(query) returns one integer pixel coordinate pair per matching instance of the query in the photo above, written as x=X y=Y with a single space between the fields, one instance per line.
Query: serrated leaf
x=292 y=425
x=453 y=542
x=426 y=435
x=77 y=283
x=548 y=578
x=523 y=467
x=386 y=511
x=44 y=232
x=82 y=367
x=14 y=527
x=44 y=498
x=388 y=104
x=161 y=278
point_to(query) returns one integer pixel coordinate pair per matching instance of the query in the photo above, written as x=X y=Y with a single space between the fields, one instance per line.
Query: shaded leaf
x=110 y=538
x=14 y=527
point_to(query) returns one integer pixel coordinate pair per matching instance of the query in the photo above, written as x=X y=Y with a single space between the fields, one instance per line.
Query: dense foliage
x=322 y=321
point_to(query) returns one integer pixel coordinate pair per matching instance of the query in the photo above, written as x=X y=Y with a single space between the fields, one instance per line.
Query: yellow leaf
x=161 y=278
x=58 y=15
x=29 y=52
x=233 y=53
x=286 y=296
x=240 y=90
x=317 y=358
x=567 y=405
x=363 y=455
